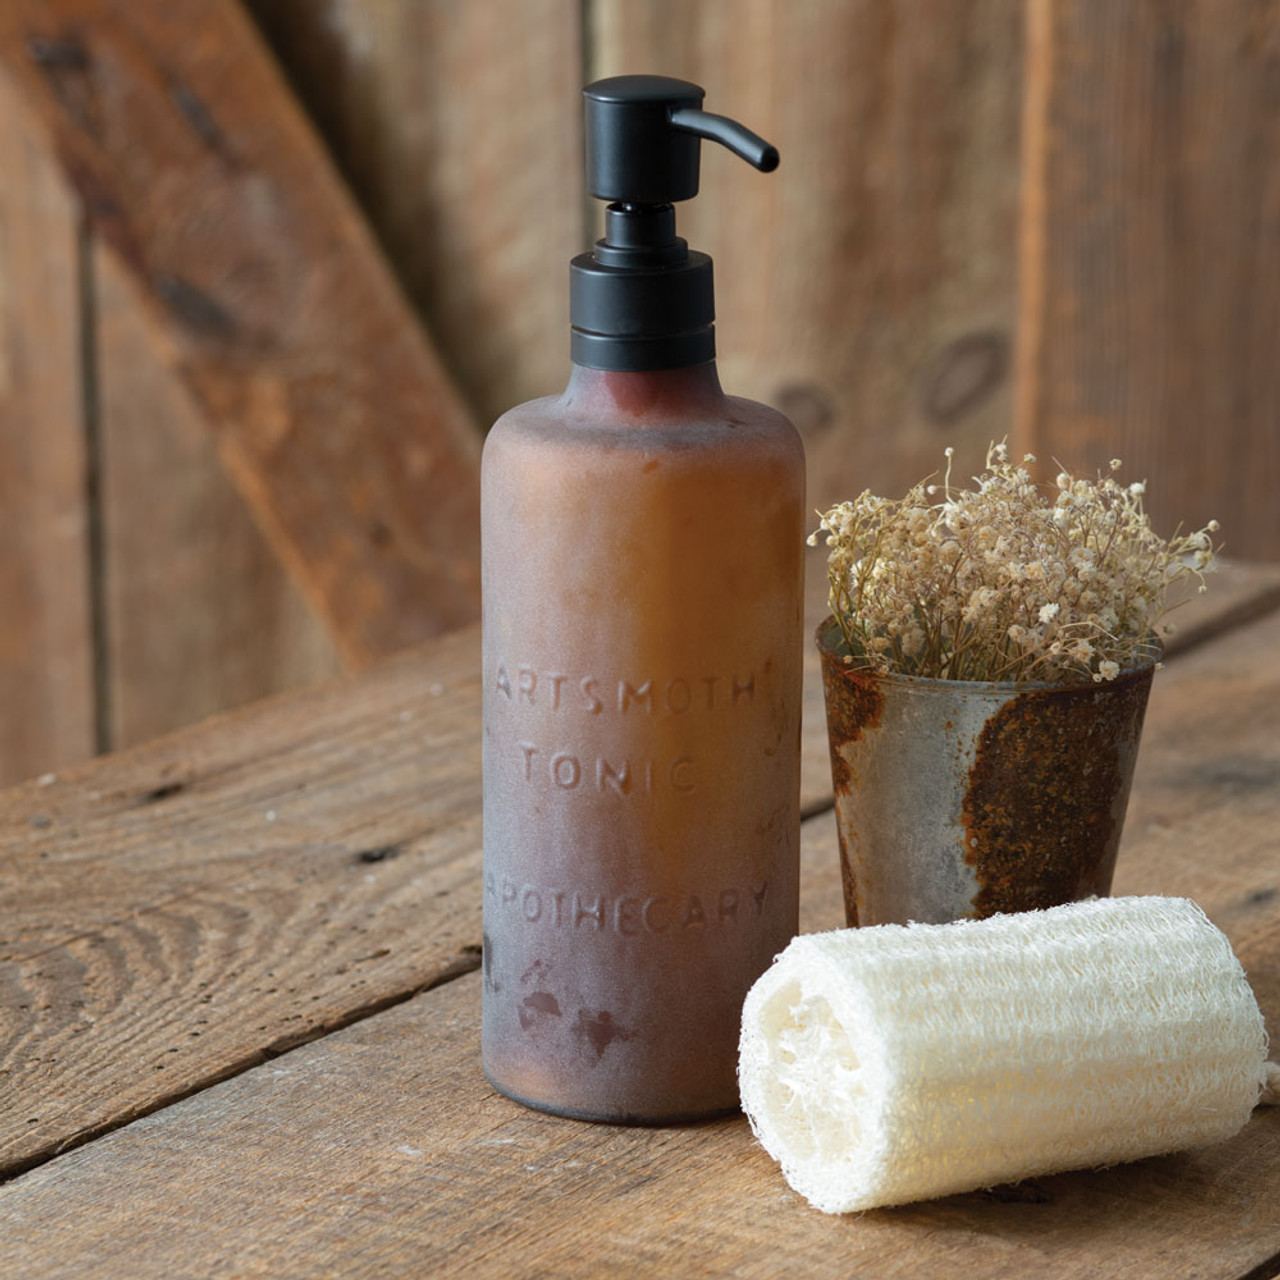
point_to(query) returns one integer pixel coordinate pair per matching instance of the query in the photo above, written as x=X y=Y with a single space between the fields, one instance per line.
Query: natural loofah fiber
x=895 y=1063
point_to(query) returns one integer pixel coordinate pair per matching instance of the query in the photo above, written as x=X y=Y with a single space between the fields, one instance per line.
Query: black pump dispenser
x=642 y=300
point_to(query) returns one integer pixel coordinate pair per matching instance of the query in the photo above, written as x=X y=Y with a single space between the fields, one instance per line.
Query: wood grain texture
x=266 y=292
x=200 y=617
x=868 y=287
x=178 y=912
x=459 y=128
x=380 y=1151
x=1151 y=255
x=47 y=716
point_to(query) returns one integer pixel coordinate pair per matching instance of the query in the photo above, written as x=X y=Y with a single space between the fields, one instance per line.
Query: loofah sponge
x=899 y=1062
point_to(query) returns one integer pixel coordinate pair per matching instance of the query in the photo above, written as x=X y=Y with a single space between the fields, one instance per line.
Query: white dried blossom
x=1081 y=651
x=1005 y=581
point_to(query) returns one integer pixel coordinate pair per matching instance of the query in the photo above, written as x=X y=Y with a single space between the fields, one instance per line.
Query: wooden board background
x=264 y=292
x=46 y=613
x=867 y=288
x=177 y=540
x=458 y=127
x=1058 y=220
x=1151 y=254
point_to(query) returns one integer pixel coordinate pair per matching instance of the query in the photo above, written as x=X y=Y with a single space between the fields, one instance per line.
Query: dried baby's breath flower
x=1005 y=581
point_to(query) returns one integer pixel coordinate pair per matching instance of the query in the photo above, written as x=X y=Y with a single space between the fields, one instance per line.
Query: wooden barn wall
x=458 y=127
x=868 y=287
x=1057 y=220
x=46 y=616
x=198 y=614
x=1151 y=254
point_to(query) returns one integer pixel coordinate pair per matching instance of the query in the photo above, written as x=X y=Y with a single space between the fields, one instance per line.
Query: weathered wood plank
x=868 y=287
x=1237 y=593
x=380 y=1151
x=199 y=615
x=1151 y=254
x=179 y=910
x=259 y=879
x=266 y=292
x=458 y=127
x=47 y=715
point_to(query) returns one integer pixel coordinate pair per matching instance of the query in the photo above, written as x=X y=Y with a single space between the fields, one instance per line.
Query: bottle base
x=620 y=1117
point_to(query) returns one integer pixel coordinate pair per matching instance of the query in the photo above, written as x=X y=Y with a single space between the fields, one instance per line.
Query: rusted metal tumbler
x=959 y=798
x=643 y=542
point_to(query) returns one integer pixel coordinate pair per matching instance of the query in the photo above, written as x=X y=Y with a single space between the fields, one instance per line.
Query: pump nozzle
x=644 y=139
x=751 y=147
x=642 y=299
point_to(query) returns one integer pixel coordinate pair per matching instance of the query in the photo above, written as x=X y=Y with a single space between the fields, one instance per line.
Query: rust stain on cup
x=1047 y=793
x=855 y=707
x=958 y=799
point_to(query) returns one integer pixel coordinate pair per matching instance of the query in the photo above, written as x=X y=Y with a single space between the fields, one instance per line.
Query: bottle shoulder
x=769 y=420
x=552 y=424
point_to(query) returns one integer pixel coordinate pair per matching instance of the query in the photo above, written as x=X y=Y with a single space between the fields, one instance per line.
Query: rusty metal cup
x=960 y=799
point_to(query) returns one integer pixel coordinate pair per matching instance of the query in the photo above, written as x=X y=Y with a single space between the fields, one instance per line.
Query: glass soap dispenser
x=643 y=537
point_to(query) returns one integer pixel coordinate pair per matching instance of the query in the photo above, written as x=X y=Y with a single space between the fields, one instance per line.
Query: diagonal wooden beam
x=266 y=293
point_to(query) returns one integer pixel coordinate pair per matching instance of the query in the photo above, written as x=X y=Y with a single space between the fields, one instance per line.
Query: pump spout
x=644 y=136
x=749 y=146
x=642 y=299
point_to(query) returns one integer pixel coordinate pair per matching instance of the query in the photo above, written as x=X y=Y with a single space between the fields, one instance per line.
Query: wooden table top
x=240 y=1012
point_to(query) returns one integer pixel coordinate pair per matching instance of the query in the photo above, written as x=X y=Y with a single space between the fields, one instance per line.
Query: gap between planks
x=468 y=962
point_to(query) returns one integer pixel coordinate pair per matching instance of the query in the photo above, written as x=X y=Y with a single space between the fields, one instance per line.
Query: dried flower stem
x=1006 y=581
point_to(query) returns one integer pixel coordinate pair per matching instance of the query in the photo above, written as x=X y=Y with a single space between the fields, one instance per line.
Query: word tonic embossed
x=590 y=695
x=569 y=772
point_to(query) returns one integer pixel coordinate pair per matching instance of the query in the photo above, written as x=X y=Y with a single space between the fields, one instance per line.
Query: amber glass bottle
x=643 y=537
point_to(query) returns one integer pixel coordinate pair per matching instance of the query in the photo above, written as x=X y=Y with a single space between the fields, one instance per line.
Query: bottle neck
x=651 y=395
x=641 y=300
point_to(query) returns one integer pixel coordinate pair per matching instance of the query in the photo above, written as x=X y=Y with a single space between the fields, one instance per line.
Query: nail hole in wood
x=162 y=792
x=383 y=853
